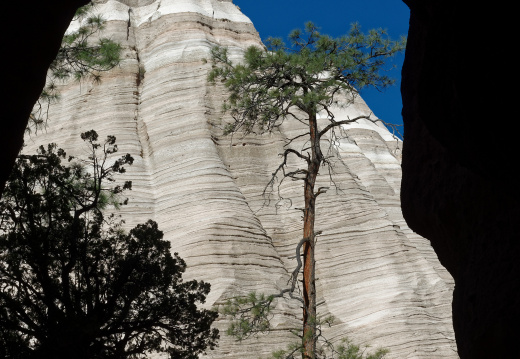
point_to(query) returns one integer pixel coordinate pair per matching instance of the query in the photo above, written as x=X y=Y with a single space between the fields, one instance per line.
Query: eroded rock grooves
x=381 y=281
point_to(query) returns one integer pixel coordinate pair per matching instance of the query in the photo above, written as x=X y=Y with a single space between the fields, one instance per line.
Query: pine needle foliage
x=83 y=54
x=250 y=315
x=345 y=350
x=309 y=75
x=349 y=350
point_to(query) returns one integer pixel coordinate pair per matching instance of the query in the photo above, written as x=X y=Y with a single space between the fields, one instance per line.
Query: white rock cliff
x=382 y=283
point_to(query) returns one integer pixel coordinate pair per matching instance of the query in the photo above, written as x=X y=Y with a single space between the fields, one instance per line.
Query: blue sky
x=278 y=17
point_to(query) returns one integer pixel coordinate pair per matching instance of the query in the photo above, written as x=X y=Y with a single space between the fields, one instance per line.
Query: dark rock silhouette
x=459 y=186
x=35 y=32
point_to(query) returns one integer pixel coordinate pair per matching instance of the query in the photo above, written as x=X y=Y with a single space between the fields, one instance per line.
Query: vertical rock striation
x=382 y=282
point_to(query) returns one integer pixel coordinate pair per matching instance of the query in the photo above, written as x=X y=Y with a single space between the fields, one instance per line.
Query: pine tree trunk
x=309 y=288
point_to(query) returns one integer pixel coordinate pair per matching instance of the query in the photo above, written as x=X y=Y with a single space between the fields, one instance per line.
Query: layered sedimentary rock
x=382 y=283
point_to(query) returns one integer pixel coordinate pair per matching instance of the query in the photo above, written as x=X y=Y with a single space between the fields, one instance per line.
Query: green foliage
x=348 y=350
x=73 y=283
x=83 y=54
x=250 y=315
x=345 y=350
x=80 y=54
x=292 y=351
x=307 y=76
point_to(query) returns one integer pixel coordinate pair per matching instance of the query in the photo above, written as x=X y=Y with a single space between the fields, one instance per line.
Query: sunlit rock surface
x=382 y=283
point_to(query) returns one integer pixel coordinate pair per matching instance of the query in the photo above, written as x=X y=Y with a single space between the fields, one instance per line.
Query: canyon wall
x=381 y=281
x=460 y=187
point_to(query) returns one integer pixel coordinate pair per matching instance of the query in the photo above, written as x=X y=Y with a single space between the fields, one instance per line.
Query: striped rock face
x=382 y=283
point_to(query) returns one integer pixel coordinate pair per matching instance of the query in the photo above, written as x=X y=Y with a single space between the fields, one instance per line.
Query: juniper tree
x=73 y=283
x=299 y=82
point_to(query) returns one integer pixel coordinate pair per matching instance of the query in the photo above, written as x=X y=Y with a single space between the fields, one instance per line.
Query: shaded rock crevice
x=459 y=185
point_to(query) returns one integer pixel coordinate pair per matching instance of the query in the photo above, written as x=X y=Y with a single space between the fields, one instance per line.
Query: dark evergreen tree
x=73 y=284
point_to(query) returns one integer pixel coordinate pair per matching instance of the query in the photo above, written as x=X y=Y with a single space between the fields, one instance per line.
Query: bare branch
x=344 y=122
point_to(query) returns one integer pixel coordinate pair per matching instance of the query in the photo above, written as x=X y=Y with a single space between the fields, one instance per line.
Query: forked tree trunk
x=309 y=288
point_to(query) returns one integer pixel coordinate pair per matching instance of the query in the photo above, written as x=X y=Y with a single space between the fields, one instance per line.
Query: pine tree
x=298 y=82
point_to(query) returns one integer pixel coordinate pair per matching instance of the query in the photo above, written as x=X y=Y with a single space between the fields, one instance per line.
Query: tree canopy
x=311 y=74
x=73 y=283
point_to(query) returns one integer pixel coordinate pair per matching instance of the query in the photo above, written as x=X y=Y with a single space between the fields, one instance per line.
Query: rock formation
x=382 y=282
x=30 y=48
x=460 y=186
